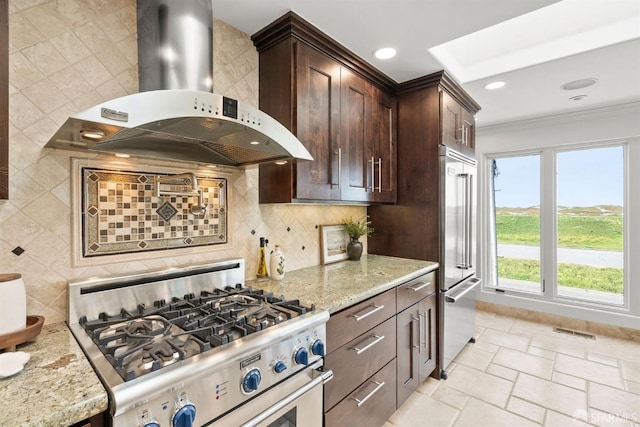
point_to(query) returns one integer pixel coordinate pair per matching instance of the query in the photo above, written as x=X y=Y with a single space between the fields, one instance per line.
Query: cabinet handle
x=379 y=175
x=414 y=318
x=378 y=384
x=377 y=339
x=376 y=308
x=339 y=168
x=418 y=286
x=373 y=174
x=421 y=333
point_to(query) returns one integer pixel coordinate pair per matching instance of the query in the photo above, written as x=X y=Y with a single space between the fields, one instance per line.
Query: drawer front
x=357 y=360
x=353 y=321
x=370 y=405
x=413 y=291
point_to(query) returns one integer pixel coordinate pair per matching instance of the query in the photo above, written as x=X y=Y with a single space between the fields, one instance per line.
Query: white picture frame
x=333 y=243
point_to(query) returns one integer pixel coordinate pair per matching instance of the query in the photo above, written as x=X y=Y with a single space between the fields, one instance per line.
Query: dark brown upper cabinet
x=343 y=110
x=4 y=100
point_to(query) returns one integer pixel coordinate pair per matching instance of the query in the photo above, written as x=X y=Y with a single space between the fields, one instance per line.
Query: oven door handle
x=319 y=380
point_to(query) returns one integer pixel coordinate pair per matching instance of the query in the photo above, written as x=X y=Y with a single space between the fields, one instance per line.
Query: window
x=560 y=236
x=590 y=220
x=516 y=189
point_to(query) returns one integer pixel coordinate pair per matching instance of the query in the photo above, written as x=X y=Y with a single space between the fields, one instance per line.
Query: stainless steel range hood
x=183 y=120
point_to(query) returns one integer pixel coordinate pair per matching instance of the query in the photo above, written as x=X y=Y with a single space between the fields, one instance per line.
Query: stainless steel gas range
x=193 y=346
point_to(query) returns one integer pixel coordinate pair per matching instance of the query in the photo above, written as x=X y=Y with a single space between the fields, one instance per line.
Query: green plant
x=357 y=227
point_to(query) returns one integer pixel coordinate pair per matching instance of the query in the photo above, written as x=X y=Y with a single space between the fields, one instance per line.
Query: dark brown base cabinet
x=380 y=350
x=416 y=346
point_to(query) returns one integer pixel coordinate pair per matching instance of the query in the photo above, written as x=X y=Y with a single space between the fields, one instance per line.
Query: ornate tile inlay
x=121 y=213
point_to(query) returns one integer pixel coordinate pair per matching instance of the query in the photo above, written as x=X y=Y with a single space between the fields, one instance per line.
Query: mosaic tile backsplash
x=122 y=213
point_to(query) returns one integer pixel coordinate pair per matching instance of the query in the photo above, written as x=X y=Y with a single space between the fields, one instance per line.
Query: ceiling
x=534 y=46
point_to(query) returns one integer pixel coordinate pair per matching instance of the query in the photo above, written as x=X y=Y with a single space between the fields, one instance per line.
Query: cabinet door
x=427 y=336
x=450 y=112
x=407 y=345
x=383 y=141
x=318 y=118
x=468 y=141
x=355 y=138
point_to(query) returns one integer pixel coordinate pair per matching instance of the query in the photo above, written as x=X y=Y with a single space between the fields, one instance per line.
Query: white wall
x=619 y=123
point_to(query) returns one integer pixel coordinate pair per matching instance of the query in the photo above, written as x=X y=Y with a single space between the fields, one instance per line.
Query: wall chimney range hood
x=176 y=116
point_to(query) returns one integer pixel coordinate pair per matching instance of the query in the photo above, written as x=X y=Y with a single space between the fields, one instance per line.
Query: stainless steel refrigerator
x=458 y=284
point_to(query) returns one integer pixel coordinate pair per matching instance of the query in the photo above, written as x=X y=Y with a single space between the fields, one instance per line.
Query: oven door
x=300 y=406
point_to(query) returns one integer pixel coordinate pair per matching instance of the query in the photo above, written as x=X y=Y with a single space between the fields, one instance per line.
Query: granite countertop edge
x=335 y=287
x=58 y=386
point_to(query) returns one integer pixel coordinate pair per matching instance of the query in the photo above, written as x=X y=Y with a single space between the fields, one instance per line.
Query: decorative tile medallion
x=121 y=214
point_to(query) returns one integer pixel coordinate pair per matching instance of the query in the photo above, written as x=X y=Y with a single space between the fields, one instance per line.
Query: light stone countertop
x=57 y=387
x=336 y=286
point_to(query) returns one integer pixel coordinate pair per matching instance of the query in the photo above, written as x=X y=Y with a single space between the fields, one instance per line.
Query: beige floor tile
x=505 y=339
x=537 y=351
x=526 y=409
x=604 y=359
x=428 y=386
x=494 y=321
x=478 y=413
x=481 y=385
x=615 y=347
x=524 y=362
x=559 y=344
x=602 y=419
x=632 y=387
x=554 y=419
x=545 y=393
x=614 y=401
x=474 y=357
x=450 y=396
x=631 y=370
x=420 y=410
x=569 y=381
x=592 y=371
x=502 y=372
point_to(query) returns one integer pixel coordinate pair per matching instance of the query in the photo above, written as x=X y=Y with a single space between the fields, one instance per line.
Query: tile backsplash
x=66 y=56
x=122 y=213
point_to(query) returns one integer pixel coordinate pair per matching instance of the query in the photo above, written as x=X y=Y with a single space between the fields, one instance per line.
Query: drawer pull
x=359 y=317
x=377 y=339
x=418 y=286
x=379 y=385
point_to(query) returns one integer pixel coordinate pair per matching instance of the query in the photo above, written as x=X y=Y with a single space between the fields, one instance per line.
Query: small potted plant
x=356 y=227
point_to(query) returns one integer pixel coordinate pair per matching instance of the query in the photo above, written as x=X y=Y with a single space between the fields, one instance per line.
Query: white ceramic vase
x=13 y=303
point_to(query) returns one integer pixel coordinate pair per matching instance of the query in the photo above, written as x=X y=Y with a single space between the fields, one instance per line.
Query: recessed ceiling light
x=122 y=155
x=385 y=53
x=494 y=85
x=280 y=162
x=579 y=84
x=254 y=143
x=578 y=97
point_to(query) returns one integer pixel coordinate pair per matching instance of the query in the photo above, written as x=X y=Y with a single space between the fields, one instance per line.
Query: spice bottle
x=277 y=264
x=262 y=261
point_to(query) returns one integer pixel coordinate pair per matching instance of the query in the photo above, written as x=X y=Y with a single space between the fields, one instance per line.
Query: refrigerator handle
x=468 y=215
x=465 y=198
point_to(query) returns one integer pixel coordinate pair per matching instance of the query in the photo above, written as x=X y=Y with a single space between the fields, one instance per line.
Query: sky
x=587 y=177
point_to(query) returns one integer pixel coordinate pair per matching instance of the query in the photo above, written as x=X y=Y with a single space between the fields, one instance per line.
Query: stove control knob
x=279 y=367
x=251 y=381
x=317 y=348
x=153 y=423
x=184 y=415
x=301 y=356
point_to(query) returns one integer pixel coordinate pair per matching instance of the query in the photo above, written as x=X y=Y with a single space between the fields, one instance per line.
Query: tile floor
x=520 y=373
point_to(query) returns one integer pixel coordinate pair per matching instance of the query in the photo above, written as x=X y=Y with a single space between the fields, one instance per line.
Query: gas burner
x=158 y=335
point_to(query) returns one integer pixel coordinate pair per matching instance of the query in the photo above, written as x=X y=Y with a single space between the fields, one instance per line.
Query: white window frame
x=548 y=225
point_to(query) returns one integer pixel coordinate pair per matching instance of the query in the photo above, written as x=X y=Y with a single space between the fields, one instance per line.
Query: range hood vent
x=182 y=120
